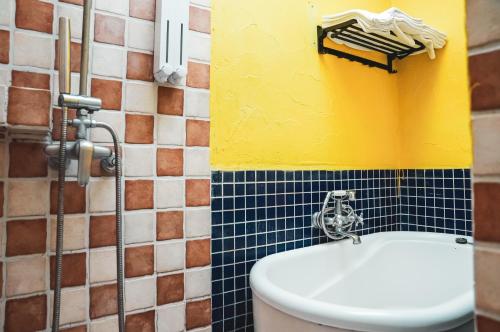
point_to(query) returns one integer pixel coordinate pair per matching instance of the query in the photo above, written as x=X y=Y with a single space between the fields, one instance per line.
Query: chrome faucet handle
x=85 y=156
x=359 y=220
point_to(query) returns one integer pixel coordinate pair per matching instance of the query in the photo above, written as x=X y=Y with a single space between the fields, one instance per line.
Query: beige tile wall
x=165 y=136
x=484 y=70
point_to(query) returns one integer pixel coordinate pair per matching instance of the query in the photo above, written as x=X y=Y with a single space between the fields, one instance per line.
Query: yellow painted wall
x=277 y=104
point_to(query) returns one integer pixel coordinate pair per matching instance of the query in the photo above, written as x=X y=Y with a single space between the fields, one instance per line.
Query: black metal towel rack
x=351 y=33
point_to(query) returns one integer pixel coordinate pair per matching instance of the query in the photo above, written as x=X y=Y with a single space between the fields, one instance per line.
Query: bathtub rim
x=434 y=318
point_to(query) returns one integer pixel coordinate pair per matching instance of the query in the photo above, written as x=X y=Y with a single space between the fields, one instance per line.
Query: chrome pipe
x=84 y=63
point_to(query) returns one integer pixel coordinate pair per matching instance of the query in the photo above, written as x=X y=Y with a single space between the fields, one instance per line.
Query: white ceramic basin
x=393 y=281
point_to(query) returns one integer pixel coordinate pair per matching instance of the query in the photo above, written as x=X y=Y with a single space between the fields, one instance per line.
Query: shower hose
x=60 y=224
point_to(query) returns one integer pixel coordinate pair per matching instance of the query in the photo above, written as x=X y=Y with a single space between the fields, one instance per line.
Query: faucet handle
x=85 y=153
x=359 y=220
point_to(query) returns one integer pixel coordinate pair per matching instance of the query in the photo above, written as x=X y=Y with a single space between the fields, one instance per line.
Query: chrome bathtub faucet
x=337 y=217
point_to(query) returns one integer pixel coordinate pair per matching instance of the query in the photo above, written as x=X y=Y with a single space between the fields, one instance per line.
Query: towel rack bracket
x=349 y=32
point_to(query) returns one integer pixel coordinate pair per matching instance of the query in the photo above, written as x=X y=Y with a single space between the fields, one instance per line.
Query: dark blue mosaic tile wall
x=258 y=213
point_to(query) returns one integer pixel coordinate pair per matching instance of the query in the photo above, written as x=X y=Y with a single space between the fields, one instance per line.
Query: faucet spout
x=355 y=238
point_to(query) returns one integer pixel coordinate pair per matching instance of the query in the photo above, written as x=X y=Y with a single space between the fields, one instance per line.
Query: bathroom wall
x=165 y=135
x=483 y=30
x=321 y=112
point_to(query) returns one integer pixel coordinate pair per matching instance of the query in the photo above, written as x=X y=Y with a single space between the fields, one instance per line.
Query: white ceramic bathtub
x=393 y=281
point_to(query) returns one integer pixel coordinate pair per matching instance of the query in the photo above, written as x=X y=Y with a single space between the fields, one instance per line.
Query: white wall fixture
x=171 y=27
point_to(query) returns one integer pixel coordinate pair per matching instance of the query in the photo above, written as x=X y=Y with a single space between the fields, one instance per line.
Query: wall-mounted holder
x=349 y=32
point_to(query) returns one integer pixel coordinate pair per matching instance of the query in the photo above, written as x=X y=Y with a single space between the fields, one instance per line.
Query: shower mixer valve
x=82 y=149
x=338 y=220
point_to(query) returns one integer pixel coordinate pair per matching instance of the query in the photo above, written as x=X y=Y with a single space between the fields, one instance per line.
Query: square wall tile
x=197 y=103
x=75 y=15
x=169 y=162
x=197 y=133
x=141 y=97
x=169 y=225
x=486 y=272
x=102 y=265
x=109 y=91
x=34 y=15
x=28 y=107
x=199 y=19
x=26 y=314
x=109 y=29
x=139 y=194
x=144 y=9
x=198 y=314
x=32 y=50
x=27 y=198
x=141 y=34
x=4 y=46
x=108 y=61
x=113 y=6
x=170 y=288
x=103 y=301
x=6 y=5
x=198 y=283
x=197 y=192
x=102 y=195
x=170 y=101
x=141 y=322
x=197 y=162
x=74 y=197
x=74 y=233
x=75 y=60
x=73 y=305
x=140 y=293
x=74 y=270
x=171 y=318
x=169 y=194
x=170 y=256
x=139 y=129
x=26 y=79
x=26 y=237
x=139 y=66
x=112 y=118
x=109 y=323
x=27 y=160
x=198 y=75
x=102 y=231
x=198 y=253
x=139 y=261
x=198 y=46
x=198 y=222
x=20 y=282
x=139 y=227
x=138 y=160
x=171 y=130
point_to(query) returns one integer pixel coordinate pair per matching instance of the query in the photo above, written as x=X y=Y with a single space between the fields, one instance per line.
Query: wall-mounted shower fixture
x=84 y=151
x=337 y=217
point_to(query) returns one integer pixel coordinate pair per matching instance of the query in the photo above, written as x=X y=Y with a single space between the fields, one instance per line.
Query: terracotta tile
x=80 y=328
x=170 y=288
x=27 y=160
x=198 y=314
x=487 y=212
x=26 y=314
x=25 y=79
x=56 y=124
x=34 y=15
x=198 y=75
x=1 y=279
x=197 y=133
x=28 y=107
x=1 y=198
x=28 y=197
x=199 y=19
x=74 y=2
x=109 y=91
x=74 y=197
x=486 y=272
x=139 y=66
x=74 y=268
x=4 y=46
x=139 y=261
x=485 y=324
x=197 y=253
x=76 y=49
x=109 y=29
x=482 y=22
x=103 y=301
x=25 y=237
x=139 y=129
x=169 y=225
x=484 y=72
x=169 y=162
x=197 y=192
x=139 y=194
x=144 y=9
x=102 y=231
x=170 y=101
x=141 y=322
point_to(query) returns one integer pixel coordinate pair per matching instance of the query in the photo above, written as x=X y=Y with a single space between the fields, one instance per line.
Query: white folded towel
x=406 y=28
